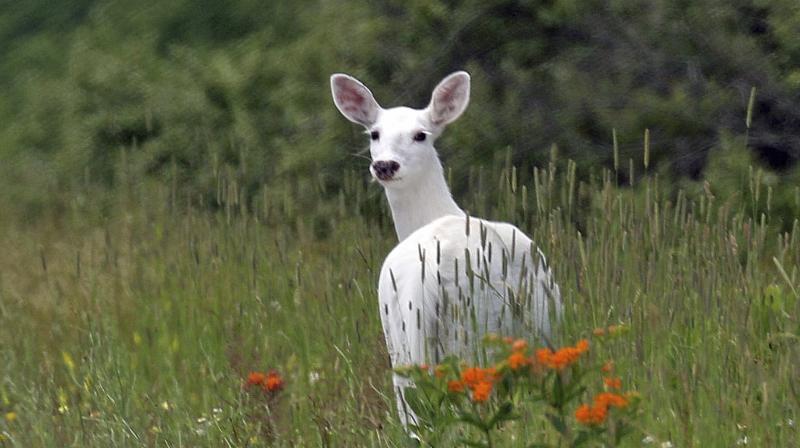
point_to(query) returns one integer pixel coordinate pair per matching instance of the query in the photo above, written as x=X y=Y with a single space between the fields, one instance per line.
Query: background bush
x=186 y=91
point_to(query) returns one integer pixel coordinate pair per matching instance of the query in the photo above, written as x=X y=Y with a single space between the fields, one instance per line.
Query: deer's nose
x=385 y=169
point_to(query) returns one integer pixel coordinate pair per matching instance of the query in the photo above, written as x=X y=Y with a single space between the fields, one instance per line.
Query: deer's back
x=443 y=288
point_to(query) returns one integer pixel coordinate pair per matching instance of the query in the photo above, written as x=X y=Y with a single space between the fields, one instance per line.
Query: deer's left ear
x=449 y=99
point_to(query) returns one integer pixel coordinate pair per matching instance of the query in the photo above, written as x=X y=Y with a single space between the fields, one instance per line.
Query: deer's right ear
x=354 y=100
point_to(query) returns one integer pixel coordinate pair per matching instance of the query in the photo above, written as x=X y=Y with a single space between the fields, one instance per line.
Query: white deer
x=452 y=278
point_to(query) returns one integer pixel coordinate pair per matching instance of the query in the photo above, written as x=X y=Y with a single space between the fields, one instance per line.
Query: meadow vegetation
x=142 y=325
x=189 y=245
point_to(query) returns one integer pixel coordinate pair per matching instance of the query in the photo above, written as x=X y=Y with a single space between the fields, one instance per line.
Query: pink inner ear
x=446 y=94
x=348 y=94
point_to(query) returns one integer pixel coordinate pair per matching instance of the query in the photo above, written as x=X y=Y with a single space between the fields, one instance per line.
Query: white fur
x=452 y=278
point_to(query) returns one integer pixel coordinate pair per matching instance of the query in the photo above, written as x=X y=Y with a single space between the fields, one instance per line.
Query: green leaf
x=471 y=443
x=582 y=438
x=502 y=414
x=557 y=422
x=575 y=393
x=474 y=420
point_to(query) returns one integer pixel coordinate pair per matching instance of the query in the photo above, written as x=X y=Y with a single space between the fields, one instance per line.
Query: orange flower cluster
x=481 y=392
x=518 y=359
x=270 y=382
x=562 y=357
x=479 y=381
x=612 y=382
x=597 y=413
x=591 y=415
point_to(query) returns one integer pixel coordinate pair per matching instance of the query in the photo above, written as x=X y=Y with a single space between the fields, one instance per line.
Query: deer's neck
x=419 y=204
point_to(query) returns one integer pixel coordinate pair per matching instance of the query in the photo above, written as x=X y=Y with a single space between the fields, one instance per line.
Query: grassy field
x=138 y=325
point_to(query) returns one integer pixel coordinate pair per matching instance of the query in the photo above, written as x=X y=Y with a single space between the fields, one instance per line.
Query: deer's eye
x=374 y=135
x=419 y=137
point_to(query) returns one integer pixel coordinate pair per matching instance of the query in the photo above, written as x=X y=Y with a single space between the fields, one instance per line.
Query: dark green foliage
x=184 y=91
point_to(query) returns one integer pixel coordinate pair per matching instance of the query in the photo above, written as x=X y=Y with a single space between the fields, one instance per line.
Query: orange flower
x=256 y=379
x=608 y=367
x=455 y=386
x=612 y=382
x=520 y=345
x=562 y=357
x=597 y=413
x=599 y=331
x=508 y=340
x=517 y=360
x=474 y=375
x=481 y=391
x=584 y=414
x=273 y=382
x=543 y=355
x=591 y=415
x=610 y=399
x=440 y=371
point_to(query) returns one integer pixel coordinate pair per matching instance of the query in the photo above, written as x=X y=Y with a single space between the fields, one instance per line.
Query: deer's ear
x=354 y=100
x=449 y=99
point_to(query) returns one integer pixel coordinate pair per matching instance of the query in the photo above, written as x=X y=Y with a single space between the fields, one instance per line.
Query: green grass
x=138 y=328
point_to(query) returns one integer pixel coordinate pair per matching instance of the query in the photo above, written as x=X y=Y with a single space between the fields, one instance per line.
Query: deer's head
x=401 y=138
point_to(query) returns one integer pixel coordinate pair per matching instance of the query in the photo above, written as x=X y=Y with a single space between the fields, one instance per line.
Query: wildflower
x=68 y=361
x=520 y=345
x=481 y=391
x=256 y=379
x=543 y=355
x=455 y=386
x=612 y=382
x=270 y=382
x=273 y=382
x=508 y=340
x=517 y=360
x=599 y=332
x=440 y=371
x=591 y=415
x=474 y=375
x=597 y=413
x=562 y=357
x=611 y=399
x=608 y=367
x=11 y=416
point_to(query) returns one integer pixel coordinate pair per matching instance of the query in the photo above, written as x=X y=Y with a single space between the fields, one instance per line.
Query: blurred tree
x=195 y=88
